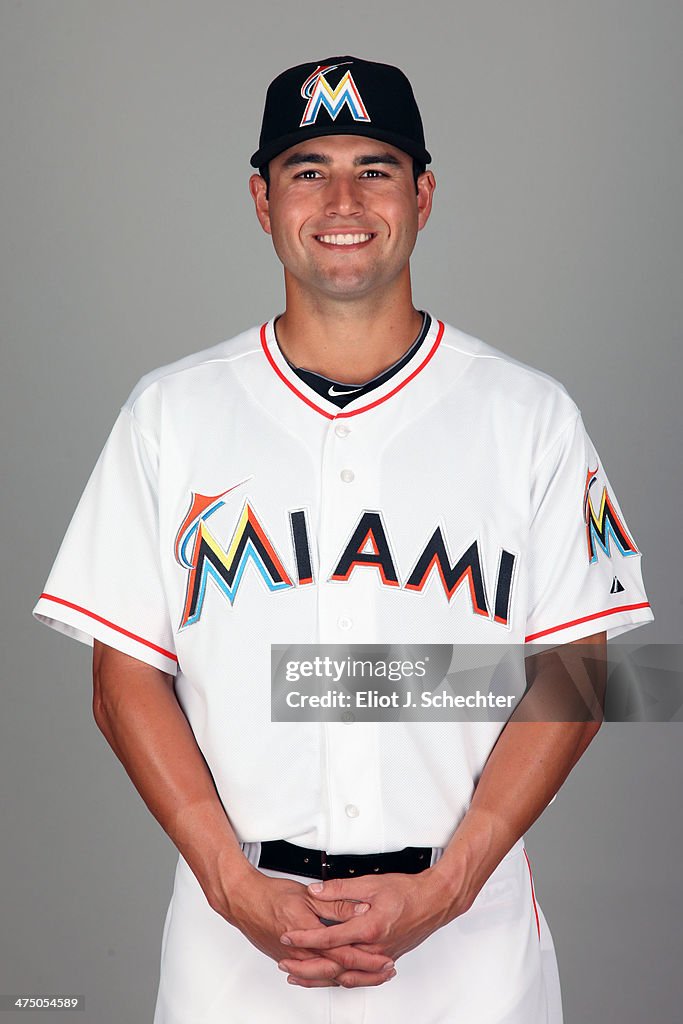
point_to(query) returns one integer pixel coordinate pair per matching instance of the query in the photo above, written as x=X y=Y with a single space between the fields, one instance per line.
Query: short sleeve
x=106 y=583
x=584 y=567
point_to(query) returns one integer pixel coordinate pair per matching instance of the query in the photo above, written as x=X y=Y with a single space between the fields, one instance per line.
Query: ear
x=426 y=183
x=258 y=189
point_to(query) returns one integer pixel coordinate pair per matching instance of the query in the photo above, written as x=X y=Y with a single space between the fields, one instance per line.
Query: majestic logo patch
x=604 y=524
x=319 y=93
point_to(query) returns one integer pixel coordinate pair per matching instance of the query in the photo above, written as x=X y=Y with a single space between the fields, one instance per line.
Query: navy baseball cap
x=340 y=96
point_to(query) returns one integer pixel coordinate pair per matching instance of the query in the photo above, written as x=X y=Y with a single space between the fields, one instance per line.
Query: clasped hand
x=391 y=915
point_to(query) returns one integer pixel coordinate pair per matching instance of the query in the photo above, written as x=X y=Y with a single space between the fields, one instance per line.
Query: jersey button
x=344 y=622
x=348 y=716
x=351 y=811
x=347 y=475
x=341 y=430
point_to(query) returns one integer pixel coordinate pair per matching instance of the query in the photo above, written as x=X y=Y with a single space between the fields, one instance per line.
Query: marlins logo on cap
x=340 y=95
x=319 y=93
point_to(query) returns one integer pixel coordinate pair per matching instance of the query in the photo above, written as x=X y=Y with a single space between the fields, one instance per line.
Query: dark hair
x=418 y=169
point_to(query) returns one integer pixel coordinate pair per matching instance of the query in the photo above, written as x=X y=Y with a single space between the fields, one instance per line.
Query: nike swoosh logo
x=349 y=391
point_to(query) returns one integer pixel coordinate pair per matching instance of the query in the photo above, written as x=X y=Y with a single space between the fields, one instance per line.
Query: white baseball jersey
x=461 y=502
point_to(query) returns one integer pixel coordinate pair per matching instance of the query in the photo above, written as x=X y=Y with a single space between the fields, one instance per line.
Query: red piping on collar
x=364 y=408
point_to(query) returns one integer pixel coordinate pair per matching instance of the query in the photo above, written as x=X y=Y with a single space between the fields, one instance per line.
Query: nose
x=343 y=197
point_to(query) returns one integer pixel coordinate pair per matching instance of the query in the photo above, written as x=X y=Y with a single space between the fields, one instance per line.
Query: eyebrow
x=379 y=158
x=360 y=161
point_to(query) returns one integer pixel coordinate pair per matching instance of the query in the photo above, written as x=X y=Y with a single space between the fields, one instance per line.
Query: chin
x=349 y=286
x=357 y=290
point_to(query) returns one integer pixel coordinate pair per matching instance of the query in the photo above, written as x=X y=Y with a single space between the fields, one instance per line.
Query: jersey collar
x=376 y=397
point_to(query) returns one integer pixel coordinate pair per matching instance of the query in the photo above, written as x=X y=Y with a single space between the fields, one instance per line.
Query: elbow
x=99 y=708
x=102 y=713
x=588 y=734
x=103 y=680
x=100 y=704
x=97 y=700
x=592 y=729
x=594 y=723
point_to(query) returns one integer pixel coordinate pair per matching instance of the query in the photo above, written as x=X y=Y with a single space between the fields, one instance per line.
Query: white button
x=351 y=811
x=345 y=622
x=347 y=475
x=341 y=430
x=348 y=716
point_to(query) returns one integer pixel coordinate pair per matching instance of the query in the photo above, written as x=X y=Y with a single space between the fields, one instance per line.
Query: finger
x=341 y=910
x=359 y=979
x=312 y=984
x=335 y=935
x=302 y=954
x=317 y=969
x=351 y=958
x=342 y=888
x=345 y=959
x=367 y=947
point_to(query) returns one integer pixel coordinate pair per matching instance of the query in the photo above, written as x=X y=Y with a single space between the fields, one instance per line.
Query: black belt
x=279 y=855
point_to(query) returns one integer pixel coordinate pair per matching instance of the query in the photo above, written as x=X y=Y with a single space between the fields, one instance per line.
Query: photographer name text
x=395 y=699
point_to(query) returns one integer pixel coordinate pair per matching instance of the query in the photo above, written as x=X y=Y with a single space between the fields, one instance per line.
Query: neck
x=348 y=340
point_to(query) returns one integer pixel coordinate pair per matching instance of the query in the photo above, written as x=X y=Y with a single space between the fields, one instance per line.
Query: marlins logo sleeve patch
x=584 y=566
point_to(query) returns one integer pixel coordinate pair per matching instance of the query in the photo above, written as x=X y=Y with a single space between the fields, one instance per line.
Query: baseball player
x=354 y=471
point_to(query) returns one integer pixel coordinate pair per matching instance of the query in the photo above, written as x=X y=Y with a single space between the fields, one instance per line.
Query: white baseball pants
x=493 y=965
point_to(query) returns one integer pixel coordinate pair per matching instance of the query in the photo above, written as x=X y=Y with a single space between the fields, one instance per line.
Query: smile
x=346 y=239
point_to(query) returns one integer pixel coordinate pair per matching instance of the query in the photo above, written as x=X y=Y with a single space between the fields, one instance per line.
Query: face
x=343 y=213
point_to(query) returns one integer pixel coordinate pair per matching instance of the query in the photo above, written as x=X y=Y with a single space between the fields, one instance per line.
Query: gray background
x=128 y=240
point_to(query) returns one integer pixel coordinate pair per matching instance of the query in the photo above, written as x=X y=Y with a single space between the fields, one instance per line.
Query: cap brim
x=266 y=153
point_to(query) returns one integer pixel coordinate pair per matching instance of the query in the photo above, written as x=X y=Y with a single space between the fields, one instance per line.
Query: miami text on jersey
x=199 y=552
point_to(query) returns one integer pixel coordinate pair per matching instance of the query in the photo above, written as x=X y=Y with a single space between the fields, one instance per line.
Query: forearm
x=137 y=711
x=523 y=773
x=525 y=769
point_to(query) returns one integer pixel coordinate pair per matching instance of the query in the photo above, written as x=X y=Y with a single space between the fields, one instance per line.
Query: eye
x=373 y=172
x=308 y=175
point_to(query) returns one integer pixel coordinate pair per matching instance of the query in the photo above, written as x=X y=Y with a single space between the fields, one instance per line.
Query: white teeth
x=344 y=239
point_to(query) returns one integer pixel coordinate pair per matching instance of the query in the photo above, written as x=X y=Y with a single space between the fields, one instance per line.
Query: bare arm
x=525 y=769
x=135 y=707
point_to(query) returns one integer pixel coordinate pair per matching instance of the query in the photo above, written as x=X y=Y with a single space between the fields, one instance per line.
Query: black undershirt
x=347 y=392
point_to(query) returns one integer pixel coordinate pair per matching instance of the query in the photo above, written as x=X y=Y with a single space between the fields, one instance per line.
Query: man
x=354 y=471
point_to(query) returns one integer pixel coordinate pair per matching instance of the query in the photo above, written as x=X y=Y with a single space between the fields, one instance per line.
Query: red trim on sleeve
x=364 y=408
x=533 y=897
x=111 y=625
x=586 y=618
